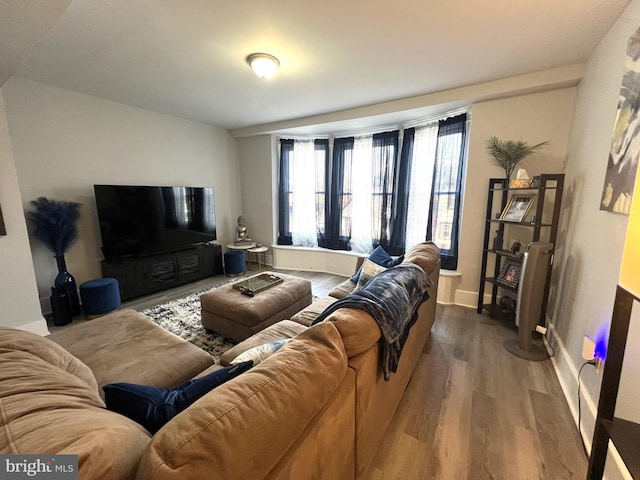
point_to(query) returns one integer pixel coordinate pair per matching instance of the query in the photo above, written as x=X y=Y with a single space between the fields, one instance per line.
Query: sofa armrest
x=427 y=256
x=358 y=329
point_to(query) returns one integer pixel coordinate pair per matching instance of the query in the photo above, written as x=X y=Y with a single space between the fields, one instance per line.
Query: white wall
x=593 y=240
x=259 y=199
x=64 y=142
x=18 y=291
x=534 y=118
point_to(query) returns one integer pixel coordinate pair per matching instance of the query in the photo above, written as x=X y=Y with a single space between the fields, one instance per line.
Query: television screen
x=138 y=220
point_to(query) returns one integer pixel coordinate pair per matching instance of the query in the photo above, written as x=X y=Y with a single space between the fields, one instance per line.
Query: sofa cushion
x=152 y=407
x=248 y=425
x=368 y=271
x=342 y=290
x=261 y=352
x=380 y=257
x=358 y=329
x=46 y=409
x=277 y=331
x=126 y=346
x=425 y=254
x=48 y=351
x=307 y=315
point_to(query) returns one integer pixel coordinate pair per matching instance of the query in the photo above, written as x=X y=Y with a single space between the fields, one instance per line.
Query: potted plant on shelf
x=509 y=153
x=54 y=224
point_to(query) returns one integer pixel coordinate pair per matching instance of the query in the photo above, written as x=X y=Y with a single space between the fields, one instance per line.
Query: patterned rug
x=182 y=318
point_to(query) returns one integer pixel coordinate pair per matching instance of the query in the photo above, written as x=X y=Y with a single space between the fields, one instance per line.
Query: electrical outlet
x=588 y=348
x=541 y=329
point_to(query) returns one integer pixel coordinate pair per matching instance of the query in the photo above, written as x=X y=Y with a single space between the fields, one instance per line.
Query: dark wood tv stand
x=144 y=275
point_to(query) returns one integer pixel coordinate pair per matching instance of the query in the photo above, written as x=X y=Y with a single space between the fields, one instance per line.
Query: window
x=378 y=195
x=447 y=189
x=367 y=190
x=302 y=191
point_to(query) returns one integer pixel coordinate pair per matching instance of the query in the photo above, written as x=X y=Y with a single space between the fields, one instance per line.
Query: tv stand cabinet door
x=161 y=272
x=191 y=265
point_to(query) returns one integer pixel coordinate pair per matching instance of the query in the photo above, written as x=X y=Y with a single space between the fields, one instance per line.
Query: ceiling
x=187 y=58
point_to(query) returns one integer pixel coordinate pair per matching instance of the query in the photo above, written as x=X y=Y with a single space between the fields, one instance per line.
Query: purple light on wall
x=601 y=338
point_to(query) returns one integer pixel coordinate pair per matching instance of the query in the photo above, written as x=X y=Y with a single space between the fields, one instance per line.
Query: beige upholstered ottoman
x=226 y=311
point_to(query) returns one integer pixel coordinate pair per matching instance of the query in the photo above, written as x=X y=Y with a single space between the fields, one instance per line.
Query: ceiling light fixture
x=263 y=64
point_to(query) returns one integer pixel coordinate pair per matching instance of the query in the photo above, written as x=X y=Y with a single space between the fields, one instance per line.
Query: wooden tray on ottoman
x=258 y=283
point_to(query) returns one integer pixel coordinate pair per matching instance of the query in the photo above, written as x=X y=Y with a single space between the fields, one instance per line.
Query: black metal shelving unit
x=548 y=196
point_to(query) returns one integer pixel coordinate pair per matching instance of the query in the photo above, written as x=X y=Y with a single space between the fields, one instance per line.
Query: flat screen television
x=145 y=220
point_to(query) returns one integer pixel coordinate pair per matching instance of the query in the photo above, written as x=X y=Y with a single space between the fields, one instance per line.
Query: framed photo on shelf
x=517 y=208
x=509 y=273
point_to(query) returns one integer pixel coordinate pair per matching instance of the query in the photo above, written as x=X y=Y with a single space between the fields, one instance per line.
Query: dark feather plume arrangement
x=54 y=223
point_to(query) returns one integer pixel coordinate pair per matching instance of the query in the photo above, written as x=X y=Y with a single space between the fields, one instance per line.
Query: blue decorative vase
x=66 y=281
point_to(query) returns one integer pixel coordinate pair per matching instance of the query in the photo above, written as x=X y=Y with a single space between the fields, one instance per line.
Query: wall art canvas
x=625 y=144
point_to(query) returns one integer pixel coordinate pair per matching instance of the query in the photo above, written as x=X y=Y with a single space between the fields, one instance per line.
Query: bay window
x=377 y=193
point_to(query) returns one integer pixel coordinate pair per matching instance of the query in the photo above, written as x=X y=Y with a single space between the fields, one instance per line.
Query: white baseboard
x=567 y=374
x=38 y=327
x=465 y=298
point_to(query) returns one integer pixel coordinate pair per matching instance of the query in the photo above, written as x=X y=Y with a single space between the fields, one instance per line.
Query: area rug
x=182 y=318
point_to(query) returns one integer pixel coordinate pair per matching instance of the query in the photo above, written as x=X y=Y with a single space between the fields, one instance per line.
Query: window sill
x=316 y=259
x=318 y=250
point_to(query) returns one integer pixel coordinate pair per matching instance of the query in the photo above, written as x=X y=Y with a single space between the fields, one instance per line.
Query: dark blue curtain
x=398 y=224
x=447 y=185
x=284 y=194
x=338 y=226
x=323 y=167
x=385 y=155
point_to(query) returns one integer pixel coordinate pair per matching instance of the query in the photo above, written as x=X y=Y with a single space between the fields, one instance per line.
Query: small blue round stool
x=234 y=263
x=99 y=296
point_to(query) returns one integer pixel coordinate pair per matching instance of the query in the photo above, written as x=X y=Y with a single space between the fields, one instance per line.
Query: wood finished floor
x=471 y=411
x=474 y=411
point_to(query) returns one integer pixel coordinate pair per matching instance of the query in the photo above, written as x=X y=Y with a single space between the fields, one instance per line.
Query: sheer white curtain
x=361 y=187
x=424 y=155
x=303 y=191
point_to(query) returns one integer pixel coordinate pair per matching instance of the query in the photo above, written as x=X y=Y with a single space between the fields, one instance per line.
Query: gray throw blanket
x=392 y=298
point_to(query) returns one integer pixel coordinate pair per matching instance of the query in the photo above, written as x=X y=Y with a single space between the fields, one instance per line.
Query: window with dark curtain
x=444 y=212
x=322 y=170
x=337 y=225
x=287 y=188
x=398 y=224
x=284 y=197
x=385 y=148
x=409 y=197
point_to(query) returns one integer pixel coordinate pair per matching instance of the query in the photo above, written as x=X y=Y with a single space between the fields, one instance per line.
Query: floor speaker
x=535 y=266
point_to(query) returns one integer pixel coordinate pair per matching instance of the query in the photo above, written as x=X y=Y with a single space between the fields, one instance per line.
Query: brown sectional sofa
x=318 y=408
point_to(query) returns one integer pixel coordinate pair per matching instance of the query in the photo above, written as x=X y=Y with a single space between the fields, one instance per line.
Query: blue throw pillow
x=152 y=407
x=380 y=257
